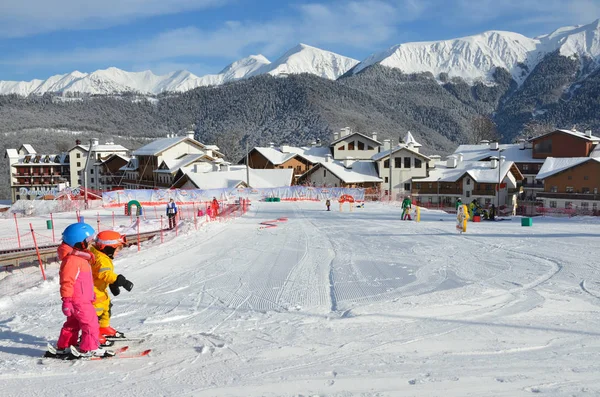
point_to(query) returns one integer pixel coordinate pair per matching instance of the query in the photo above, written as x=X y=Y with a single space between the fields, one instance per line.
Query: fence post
x=138 y=233
x=161 y=230
x=195 y=220
x=176 y=223
x=17 y=226
x=52 y=222
x=155 y=212
x=37 y=251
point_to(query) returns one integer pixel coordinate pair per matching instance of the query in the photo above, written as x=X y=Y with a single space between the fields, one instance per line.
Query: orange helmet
x=109 y=238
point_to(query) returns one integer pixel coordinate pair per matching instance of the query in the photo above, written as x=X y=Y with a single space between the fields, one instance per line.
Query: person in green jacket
x=406 y=206
x=458 y=203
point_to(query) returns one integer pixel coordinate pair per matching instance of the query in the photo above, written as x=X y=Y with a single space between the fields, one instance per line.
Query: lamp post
x=499 y=175
x=439 y=198
x=390 y=167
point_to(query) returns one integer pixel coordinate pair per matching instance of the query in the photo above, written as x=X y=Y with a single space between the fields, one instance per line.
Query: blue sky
x=40 y=38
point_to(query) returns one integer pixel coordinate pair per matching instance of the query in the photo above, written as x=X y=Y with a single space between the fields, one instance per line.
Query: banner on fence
x=150 y=196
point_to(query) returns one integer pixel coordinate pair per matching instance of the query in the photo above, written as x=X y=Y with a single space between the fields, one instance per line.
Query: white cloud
x=363 y=24
x=28 y=17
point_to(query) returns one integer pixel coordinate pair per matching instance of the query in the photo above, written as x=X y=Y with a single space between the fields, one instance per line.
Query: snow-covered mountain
x=475 y=57
x=300 y=59
x=306 y=59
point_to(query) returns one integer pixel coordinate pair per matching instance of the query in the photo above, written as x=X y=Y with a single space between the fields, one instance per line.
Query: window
x=595 y=206
x=431 y=185
x=468 y=181
x=386 y=179
x=324 y=173
x=398 y=162
x=386 y=163
x=488 y=187
x=361 y=145
x=585 y=190
x=418 y=163
x=343 y=147
x=407 y=162
x=430 y=200
x=407 y=186
x=92 y=171
x=92 y=180
x=78 y=155
x=585 y=205
x=351 y=145
x=570 y=177
x=568 y=205
x=468 y=193
x=552 y=204
x=290 y=166
x=371 y=148
x=553 y=189
x=569 y=189
x=586 y=178
x=79 y=164
x=525 y=167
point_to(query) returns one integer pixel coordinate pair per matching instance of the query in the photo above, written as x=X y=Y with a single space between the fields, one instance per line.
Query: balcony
x=483 y=193
x=435 y=191
x=569 y=196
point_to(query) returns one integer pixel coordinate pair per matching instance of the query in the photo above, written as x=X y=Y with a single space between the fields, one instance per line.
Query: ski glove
x=123 y=282
x=67 y=307
x=114 y=288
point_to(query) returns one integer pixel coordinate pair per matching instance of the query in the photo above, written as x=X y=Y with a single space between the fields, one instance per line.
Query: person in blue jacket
x=172 y=213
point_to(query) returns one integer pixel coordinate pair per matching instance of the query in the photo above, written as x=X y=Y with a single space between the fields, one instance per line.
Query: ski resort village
x=409 y=219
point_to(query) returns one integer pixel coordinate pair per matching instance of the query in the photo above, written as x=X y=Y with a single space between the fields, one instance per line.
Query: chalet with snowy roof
x=107 y=174
x=343 y=173
x=571 y=183
x=489 y=182
x=355 y=145
x=78 y=156
x=161 y=162
x=406 y=163
x=35 y=174
x=564 y=143
x=236 y=176
x=299 y=159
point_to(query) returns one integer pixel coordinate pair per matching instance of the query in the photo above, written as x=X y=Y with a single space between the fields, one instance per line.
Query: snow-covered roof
x=40 y=159
x=395 y=149
x=512 y=152
x=11 y=153
x=361 y=171
x=342 y=138
x=275 y=156
x=314 y=154
x=576 y=133
x=160 y=145
x=554 y=165
x=173 y=165
x=596 y=152
x=410 y=139
x=479 y=171
x=28 y=148
x=103 y=148
x=131 y=166
x=126 y=158
x=259 y=178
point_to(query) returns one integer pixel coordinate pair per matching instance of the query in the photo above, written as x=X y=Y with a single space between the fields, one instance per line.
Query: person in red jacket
x=77 y=292
x=215 y=206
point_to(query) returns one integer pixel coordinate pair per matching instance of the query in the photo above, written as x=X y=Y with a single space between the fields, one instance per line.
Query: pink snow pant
x=84 y=320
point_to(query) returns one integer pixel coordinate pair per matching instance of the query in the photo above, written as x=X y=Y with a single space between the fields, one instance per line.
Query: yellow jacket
x=104 y=274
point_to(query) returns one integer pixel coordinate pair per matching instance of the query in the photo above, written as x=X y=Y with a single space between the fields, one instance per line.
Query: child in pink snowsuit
x=77 y=292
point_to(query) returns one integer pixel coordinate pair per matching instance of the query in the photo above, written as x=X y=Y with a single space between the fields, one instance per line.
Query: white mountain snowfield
x=472 y=58
x=332 y=304
x=475 y=58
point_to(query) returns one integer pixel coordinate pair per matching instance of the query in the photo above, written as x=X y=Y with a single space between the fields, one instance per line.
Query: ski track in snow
x=336 y=304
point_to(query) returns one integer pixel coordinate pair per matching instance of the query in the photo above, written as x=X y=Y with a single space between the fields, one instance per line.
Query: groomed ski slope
x=335 y=304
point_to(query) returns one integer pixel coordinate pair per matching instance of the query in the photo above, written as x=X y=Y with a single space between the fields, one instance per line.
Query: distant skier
x=172 y=213
x=458 y=203
x=215 y=206
x=77 y=292
x=492 y=213
x=328 y=204
x=106 y=246
x=406 y=207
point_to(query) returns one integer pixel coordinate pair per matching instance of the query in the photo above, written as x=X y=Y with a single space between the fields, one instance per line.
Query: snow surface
x=335 y=304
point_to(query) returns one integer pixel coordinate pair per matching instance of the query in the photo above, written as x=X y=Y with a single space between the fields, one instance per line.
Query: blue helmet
x=77 y=233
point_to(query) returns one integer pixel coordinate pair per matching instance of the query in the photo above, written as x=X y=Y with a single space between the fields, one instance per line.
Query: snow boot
x=100 y=352
x=104 y=342
x=111 y=333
